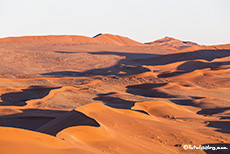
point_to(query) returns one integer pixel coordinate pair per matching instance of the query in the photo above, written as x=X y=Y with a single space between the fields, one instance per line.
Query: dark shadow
x=225 y=118
x=20 y=98
x=147 y=85
x=141 y=111
x=170 y=74
x=107 y=94
x=222 y=126
x=138 y=60
x=214 y=148
x=208 y=55
x=117 y=103
x=187 y=102
x=211 y=111
x=47 y=121
x=62 y=74
x=97 y=35
x=68 y=52
x=128 y=66
x=191 y=66
x=197 y=97
x=148 y=90
x=69 y=119
x=116 y=70
x=133 y=62
x=196 y=65
x=126 y=54
x=30 y=119
x=203 y=111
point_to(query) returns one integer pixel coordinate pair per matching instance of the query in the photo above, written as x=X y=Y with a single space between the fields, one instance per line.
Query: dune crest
x=116 y=40
x=173 y=43
x=74 y=39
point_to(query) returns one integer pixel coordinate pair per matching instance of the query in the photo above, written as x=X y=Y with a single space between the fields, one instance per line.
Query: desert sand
x=110 y=94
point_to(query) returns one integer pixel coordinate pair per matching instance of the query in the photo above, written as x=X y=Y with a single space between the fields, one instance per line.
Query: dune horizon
x=28 y=37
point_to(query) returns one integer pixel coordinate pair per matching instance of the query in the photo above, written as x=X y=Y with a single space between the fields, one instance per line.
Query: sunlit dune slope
x=23 y=141
x=73 y=39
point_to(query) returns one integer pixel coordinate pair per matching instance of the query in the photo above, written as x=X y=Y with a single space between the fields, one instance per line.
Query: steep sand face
x=110 y=94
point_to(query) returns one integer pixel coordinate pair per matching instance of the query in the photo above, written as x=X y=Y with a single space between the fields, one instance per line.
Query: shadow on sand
x=62 y=74
x=47 y=121
x=148 y=90
x=69 y=119
x=117 y=103
x=222 y=126
x=20 y=98
x=30 y=119
x=132 y=63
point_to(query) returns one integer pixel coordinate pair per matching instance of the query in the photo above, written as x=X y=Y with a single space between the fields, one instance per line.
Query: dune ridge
x=173 y=43
x=73 y=39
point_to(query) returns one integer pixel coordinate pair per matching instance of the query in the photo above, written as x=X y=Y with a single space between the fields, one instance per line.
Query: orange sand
x=110 y=94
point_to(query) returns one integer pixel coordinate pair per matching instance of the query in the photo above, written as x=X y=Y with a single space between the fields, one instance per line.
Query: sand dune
x=19 y=140
x=68 y=39
x=116 y=40
x=110 y=94
x=128 y=131
x=173 y=43
x=47 y=39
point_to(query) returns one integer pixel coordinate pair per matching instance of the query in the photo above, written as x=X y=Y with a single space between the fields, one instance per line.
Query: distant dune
x=110 y=94
x=172 y=43
x=99 y=39
x=73 y=39
x=116 y=40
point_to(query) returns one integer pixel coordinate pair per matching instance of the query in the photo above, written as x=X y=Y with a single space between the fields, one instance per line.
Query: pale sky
x=203 y=21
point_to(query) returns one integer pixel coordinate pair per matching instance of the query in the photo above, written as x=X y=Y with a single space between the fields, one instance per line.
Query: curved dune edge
x=122 y=130
x=158 y=129
x=33 y=102
x=14 y=140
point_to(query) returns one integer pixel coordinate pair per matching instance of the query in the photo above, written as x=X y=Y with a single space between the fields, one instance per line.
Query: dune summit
x=111 y=94
x=172 y=43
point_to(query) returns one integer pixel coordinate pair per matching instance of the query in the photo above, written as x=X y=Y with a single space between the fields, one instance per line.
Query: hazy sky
x=202 y=21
